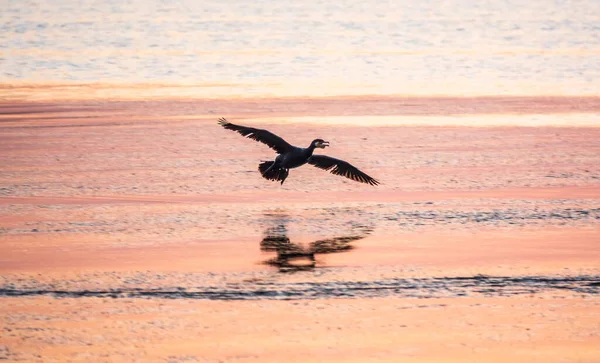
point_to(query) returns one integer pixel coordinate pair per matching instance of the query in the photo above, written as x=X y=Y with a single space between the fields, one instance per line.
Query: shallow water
x=230 y=48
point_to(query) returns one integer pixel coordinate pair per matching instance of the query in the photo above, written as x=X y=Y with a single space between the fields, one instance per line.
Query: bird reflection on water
x=293 y=257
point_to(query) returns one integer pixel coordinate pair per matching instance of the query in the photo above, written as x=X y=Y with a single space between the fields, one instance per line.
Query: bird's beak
x=324 y=144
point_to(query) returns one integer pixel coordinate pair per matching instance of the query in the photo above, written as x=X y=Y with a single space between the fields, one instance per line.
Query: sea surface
x=124 y=204
x=290 y=48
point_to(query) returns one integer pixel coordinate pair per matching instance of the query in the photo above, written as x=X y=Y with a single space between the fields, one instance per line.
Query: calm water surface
x=229 y=48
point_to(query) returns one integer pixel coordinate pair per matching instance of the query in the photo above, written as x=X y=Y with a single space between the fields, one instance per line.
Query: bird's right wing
x=341 y=167
x=268 y=138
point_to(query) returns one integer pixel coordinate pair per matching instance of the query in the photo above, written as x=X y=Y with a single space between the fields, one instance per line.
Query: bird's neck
x=309 y=150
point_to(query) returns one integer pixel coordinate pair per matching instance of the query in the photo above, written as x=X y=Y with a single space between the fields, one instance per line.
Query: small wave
x=431 y=287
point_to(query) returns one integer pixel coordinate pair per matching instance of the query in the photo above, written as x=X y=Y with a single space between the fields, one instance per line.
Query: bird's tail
x=272 y=173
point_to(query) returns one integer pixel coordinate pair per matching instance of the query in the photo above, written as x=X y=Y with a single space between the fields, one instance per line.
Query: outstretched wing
x=341 y=167
x=270 y=139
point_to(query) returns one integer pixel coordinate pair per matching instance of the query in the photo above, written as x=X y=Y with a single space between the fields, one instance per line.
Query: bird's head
x=320 y=143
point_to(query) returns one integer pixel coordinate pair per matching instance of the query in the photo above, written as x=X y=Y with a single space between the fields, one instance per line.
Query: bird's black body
x=296 y=157
x=292 y=156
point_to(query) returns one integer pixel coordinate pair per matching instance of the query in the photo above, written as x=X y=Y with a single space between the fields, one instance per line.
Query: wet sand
x=142 y=231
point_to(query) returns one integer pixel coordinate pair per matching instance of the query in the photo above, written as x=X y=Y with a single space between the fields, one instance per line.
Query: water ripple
x=431 y=287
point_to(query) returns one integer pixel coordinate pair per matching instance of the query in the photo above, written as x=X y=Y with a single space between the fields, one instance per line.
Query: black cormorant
x=292 y=156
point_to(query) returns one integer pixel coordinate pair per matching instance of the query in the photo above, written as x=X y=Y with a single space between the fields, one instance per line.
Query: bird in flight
x=292 y=156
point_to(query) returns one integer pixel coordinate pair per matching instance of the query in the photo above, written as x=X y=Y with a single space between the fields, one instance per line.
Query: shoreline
x=297 y=106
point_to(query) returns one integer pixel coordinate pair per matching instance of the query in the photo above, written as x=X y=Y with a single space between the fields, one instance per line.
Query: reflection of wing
x=341 y=167
x=270 y=139
x=332 y=245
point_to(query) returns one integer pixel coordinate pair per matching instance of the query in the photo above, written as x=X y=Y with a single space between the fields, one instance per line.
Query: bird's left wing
x=270 y=139
x=341 y=167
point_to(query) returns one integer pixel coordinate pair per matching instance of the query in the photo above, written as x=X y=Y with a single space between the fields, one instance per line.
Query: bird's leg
x=284 y=176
